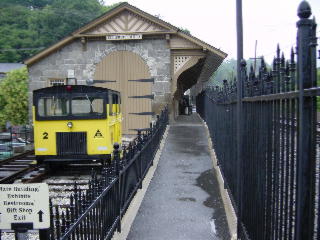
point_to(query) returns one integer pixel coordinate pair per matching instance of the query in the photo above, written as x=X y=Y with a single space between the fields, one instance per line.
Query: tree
x=26 y=3
x=185 y=30
x=14 y=33
x=27 y=26
x=14 y=97
x=228 y=71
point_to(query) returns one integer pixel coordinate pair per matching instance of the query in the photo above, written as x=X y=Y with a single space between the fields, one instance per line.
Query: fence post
x=239 y=105
x=21 y=235
x=44 y=234
x=240 y=82
x=116 y=159
x=139 y=145
x=304 y=224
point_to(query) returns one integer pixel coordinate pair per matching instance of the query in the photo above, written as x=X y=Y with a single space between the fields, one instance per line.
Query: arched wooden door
x=127 y=73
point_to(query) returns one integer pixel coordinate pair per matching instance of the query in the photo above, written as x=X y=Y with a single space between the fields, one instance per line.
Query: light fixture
x=89 y=81
x=69 y=88
x=83 y=40
x=69 y=124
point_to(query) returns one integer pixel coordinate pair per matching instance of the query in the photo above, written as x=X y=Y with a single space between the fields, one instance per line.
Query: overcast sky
x=214 y=21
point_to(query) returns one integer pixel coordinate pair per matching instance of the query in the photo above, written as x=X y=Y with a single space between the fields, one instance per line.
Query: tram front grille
x=71 y=143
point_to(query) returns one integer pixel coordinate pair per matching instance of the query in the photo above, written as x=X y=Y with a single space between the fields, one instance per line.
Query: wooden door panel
x=133 y=81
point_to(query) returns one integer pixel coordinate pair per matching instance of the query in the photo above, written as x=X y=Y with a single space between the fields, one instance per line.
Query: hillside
x=28 y=26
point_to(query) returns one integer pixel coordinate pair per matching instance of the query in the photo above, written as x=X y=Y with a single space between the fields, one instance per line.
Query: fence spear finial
x=292 y=55
x=278 y=51
x=304 y=10
x=263 y=64
x=243 y=63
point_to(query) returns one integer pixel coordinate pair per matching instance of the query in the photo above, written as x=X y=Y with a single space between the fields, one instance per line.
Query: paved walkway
x=182 y=201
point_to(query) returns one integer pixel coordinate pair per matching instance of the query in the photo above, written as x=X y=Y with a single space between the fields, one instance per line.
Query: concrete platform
x=183 y=200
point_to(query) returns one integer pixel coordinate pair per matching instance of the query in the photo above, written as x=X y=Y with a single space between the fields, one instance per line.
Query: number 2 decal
x=45 y=135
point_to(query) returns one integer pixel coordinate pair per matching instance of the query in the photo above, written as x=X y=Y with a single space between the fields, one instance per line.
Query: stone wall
x=155 y=53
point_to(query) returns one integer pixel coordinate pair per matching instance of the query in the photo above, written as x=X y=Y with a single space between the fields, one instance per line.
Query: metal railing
x=96 y=213
x=267 y=143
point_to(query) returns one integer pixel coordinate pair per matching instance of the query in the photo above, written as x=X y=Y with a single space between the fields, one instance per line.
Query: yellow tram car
x=74 y=123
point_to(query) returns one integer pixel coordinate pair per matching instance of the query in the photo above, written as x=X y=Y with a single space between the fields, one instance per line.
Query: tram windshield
x=53 y=106
x=86 y=105
x=77 y=106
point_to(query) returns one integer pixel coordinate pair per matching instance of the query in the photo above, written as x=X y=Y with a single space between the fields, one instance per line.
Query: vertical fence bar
x=268 y=199
x=306 y=150
x=116 y=159
x=292 y=158
x=287 y=151
x=240 y=81
x=276 y=145
x=239 y=104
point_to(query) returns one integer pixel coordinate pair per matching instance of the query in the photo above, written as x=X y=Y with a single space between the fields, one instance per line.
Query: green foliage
x=185 y=30
x=14 y=97
x=228 y=71
x=32 y=25
x=26 y=3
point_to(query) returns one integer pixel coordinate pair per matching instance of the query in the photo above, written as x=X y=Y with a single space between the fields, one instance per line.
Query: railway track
x=61 y=182
x=22 y=167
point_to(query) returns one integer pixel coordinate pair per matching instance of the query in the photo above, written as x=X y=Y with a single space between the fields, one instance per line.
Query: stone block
x=161 y=87
x=69 y=61
x=81 y=61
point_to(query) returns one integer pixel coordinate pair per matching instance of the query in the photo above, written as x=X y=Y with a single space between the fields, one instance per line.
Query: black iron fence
x=266 y=139
x=95 y=213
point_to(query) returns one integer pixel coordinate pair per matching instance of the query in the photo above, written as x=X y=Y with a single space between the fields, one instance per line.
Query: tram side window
x=115 y=102
x=86 y=106
x=119 y=103
x=110 y=105
x=53 y=106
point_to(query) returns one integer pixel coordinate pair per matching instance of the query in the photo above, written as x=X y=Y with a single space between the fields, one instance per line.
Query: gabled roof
x=116 y=20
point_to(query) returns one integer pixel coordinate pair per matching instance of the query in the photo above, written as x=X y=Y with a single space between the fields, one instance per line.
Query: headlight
x=69 y=124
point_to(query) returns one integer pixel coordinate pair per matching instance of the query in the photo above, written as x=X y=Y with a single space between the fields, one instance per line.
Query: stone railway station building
x=151 y=62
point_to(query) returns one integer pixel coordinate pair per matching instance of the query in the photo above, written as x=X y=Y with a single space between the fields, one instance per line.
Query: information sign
x=119 y=37
x=24 y=204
